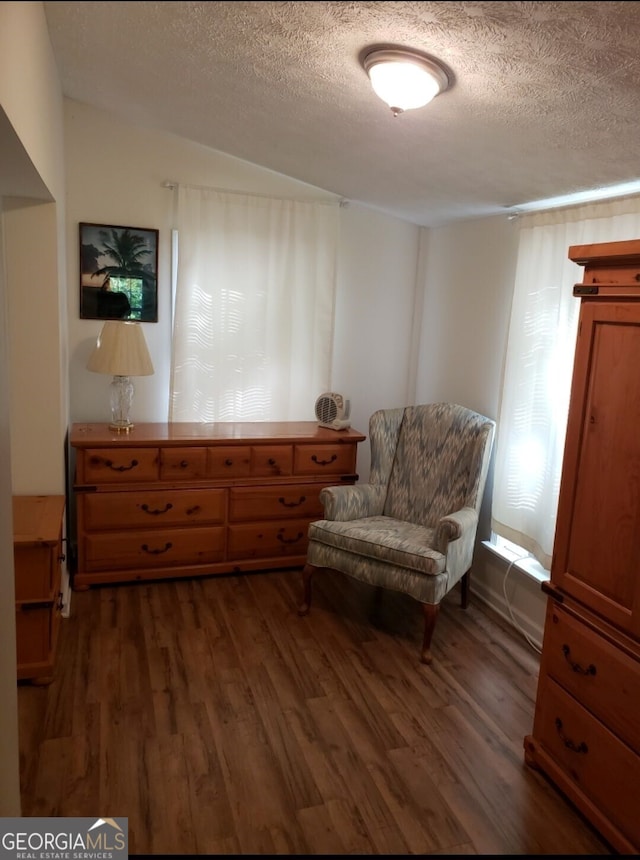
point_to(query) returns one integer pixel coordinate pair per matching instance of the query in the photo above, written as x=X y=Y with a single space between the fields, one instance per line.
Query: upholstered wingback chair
x=412 y=527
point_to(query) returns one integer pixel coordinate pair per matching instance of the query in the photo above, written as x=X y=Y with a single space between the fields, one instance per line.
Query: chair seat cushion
x=384 y=539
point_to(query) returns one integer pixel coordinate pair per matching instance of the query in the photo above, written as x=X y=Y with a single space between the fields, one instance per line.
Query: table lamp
x=121 y=351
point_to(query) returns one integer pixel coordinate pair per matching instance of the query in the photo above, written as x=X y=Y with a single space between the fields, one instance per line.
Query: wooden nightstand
x=38 y=556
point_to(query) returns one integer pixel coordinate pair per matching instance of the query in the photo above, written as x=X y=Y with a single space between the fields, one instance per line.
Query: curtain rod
x=172 y=185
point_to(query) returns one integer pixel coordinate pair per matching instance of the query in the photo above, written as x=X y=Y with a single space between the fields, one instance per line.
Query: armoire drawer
x=597 y=762
x=153 y=548
x=152 y=508
x=600 y=675
x=285 y=501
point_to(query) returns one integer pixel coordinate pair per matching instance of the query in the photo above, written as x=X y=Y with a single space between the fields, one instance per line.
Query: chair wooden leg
x=464 y=589
x=430 y=617
x=305 y=606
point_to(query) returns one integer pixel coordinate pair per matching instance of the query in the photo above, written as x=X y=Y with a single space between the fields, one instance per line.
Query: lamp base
x=121 y=428
x=121 y=399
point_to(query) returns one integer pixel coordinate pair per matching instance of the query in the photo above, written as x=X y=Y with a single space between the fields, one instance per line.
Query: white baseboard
x=526 y=608
x=65 y=589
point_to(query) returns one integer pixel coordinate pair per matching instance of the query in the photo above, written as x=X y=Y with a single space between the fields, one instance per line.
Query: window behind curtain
x=538 y=368
x=254 y=306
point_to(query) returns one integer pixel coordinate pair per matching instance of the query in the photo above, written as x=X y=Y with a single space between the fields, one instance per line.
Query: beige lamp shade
x=121 y=350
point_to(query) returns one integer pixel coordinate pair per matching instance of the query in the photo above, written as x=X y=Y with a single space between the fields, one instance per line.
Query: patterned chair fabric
x=412 y=528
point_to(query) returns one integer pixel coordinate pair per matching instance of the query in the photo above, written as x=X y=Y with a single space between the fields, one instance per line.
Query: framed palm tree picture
x=118 y=273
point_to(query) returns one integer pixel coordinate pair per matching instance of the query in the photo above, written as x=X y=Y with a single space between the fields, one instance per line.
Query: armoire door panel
x=597 y=550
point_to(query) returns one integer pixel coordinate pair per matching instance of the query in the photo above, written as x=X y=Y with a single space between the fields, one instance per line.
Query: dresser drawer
x=268 y=540
x=284 y=502
x=600 y=765
x=271 y=461
x=148 y=549
x=229 y=462
x=152 y=509
x=119 y=465
x=601 y=676
x=336 y=459
x=183 y=464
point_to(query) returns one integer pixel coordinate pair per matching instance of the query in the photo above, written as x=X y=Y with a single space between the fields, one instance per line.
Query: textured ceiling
x=545 y=97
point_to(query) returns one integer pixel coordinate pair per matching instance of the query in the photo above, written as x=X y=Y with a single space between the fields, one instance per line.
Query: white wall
x=115 y=174
x=31 y=121
x=421 y=315
x=373 y=353
x=469 y=271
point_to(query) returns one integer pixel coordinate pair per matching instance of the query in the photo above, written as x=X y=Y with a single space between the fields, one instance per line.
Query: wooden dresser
x=182 y=499
x=586 y=732
x=37 y=551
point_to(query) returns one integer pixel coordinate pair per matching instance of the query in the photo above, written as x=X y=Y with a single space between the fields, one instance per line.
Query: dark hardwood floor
x=218 y=721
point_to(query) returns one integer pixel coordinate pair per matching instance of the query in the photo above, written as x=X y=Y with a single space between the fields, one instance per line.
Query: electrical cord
x=511 y=615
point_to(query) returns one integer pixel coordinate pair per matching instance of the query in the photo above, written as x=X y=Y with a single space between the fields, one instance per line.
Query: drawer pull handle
x=228 y=462
x=292 y=504
x=272 y=462
x=283 y=539
x=193 y=510
x=570 y=745
x=332 y=459
x=110 y=465
x=157 y=511
x=60 y=602
x=167 y=546
x=183 y=464
x=590 y=670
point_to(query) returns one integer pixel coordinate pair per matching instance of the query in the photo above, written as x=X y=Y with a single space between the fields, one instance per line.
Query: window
x=538 y=368
x=254 y=304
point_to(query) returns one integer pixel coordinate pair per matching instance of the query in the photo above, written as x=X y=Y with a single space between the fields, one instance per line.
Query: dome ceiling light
x=403 y=78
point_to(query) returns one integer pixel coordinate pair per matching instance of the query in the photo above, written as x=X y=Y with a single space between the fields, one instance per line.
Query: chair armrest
x=455 y=537
x=353 y=502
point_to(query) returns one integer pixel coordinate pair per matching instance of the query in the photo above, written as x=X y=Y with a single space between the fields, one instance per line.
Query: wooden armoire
x=586 y=732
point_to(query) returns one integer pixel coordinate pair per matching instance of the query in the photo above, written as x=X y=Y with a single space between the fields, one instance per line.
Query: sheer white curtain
x=539 y=363
x=253 y=306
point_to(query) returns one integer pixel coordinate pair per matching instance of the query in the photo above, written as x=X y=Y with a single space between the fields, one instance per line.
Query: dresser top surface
x=223 y=432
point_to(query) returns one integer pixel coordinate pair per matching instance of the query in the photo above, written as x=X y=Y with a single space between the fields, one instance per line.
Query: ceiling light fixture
x=404 y=78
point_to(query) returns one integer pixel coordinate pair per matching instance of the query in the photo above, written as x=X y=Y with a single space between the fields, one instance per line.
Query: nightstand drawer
x=152 y=509
x=37 y=571
x=36 y=625
x=286 y=501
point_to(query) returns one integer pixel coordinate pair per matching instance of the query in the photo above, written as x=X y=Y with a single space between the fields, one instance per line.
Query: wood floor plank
x=219 y=721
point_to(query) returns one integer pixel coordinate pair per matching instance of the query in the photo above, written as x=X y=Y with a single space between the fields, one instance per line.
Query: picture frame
x=118 y=272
